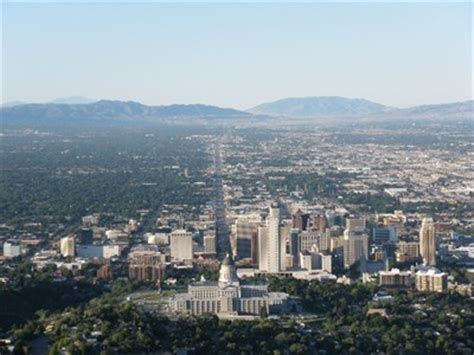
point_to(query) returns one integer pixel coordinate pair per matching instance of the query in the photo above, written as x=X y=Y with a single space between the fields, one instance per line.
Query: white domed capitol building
x=228 y=296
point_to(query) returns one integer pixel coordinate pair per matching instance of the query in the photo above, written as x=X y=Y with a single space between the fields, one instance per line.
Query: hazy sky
x=237 y=55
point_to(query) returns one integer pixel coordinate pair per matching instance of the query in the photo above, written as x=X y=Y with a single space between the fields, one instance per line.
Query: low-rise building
x=395 y=277
x=407 y=251
x=11 y=250
x=146 y=265
x=431 y=280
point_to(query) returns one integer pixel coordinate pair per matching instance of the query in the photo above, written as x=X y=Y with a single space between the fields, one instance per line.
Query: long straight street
x=222 y=230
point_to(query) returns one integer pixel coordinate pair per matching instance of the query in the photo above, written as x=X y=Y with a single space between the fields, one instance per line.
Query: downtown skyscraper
x=427 y=239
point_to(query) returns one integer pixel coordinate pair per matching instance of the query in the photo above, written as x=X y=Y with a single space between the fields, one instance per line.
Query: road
x=222 y=230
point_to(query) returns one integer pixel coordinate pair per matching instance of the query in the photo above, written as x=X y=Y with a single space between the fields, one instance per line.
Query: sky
x=237 y=54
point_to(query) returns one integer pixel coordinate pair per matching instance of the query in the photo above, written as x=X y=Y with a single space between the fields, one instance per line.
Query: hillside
x=322 y=106
x=111 y=110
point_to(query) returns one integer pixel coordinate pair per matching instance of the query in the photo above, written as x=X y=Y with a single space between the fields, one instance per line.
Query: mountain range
x=77 y=109
x=112 y=110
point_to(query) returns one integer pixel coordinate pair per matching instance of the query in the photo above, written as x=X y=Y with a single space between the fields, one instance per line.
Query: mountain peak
x=319 y=106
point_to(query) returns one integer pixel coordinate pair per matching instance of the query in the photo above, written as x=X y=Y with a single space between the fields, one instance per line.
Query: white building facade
x=228 y=296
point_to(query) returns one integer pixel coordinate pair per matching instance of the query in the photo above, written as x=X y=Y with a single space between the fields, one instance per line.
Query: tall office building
x=356 y=246
x=210 y=243
x=384 y=235
x=356 y=241
x=294 y=246
x=244 y=232
x=181 y=245
x=319 y=222
x=355 y=224
x=272 y=245
x=427 y=240
x=86 y=236
x=300 y=220
x=68 y=246
x=308 y=239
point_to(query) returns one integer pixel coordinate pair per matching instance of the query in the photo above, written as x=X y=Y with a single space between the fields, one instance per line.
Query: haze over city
x=236 y=178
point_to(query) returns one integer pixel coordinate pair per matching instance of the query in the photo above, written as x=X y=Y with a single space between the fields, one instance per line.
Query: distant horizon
x=237 y=54
x=93 y=100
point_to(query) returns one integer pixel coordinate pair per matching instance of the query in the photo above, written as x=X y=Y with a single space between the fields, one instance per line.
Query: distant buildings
x=228 y=296
x=68 y=246
x=181 y=245
x=106 y=251
x=91 y=220
x=11 y=250
x=117 y=236
x=427 y=239
x=158 y=238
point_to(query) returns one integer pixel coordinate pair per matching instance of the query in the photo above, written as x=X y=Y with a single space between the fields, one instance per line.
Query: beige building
x=181 y=245
x=356 y=246
x=431 y=280
x=272 y=244
x=209 y=241
x=310 y=238
x=395 y=277
x=315 y=260
x=407 y=251
x=427 y=239
x=68 y=246
x=355 y=224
